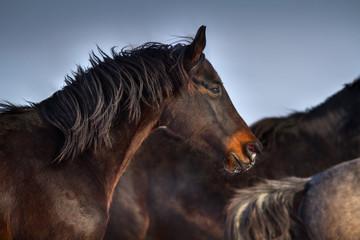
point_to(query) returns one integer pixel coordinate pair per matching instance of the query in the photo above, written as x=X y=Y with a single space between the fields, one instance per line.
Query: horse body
x=60 y=159
x=178 y=192
x=324 y=206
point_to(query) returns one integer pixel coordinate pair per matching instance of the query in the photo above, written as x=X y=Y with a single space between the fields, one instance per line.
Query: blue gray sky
x=274 y=56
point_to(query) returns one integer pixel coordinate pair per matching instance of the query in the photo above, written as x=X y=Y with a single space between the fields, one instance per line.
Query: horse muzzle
x=236 y=163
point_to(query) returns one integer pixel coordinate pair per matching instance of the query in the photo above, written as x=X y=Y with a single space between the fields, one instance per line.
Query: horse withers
x=60 y=159
x=325 y=206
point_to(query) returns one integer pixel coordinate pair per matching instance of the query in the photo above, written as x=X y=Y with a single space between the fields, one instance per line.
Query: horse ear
x=194 y=51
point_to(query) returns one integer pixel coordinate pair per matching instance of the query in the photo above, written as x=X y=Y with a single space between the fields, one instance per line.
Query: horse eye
x=215 y=90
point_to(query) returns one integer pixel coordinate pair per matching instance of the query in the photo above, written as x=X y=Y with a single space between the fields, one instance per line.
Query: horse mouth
x=233 y=164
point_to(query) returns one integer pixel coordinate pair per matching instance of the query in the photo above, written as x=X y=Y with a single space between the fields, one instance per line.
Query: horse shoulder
x=65 y=210
x=37 y=195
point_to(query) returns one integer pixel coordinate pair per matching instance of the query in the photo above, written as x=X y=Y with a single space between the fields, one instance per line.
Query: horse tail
x=266 y=211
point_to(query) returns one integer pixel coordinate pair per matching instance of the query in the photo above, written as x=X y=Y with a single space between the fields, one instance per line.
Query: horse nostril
x=252 y=148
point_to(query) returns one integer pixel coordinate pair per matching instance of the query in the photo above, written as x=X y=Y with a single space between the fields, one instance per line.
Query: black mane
x=116 y=85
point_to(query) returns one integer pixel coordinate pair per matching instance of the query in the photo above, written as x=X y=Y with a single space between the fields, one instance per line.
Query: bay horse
x=60 y=159
x=173 y=191
x=325 y=206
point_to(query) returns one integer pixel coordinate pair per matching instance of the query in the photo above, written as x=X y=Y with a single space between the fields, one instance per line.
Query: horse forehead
x=207 y=73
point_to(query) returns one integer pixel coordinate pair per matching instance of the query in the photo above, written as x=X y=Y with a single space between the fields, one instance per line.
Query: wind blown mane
x=114 y=86
x=344 y=106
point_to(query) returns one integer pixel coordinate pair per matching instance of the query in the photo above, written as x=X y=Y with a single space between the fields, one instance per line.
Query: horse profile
x=325 y=206
x=60 y=159
x=173 y=191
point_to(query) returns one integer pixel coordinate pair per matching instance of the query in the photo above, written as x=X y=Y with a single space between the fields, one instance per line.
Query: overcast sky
x=274 y=56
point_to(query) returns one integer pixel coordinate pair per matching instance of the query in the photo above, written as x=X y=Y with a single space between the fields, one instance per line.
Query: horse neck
x=110 y=163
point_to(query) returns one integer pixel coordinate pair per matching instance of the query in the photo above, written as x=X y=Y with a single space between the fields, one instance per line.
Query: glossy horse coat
x=171 y=190
x=60 y=159
x=322 y=207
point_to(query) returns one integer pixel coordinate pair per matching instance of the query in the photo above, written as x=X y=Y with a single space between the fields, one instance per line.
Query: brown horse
x=172 y=191
x=329 y=207
x=60 y=159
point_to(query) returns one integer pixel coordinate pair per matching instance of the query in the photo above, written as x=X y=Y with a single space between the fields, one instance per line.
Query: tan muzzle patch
x=237 y=145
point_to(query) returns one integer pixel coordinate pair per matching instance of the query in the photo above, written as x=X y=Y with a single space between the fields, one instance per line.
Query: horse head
x=216 y=126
